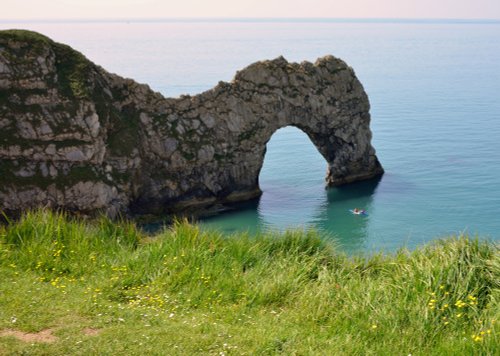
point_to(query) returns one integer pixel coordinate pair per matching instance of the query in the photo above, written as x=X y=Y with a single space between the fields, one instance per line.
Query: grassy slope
x=188 y=292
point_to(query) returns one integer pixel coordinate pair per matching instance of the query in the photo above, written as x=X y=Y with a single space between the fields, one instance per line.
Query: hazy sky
x=71 y=9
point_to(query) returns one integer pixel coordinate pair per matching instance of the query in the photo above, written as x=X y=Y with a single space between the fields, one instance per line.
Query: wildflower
x=374 y=326
x=477 y=338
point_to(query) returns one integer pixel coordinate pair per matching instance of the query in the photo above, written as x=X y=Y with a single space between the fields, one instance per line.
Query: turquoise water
x=434 y=89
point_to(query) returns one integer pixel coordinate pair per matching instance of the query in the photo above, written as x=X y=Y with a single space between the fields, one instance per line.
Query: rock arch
x=84 y=139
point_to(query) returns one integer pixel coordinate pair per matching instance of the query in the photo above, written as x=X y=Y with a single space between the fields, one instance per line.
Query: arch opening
x=292 y=179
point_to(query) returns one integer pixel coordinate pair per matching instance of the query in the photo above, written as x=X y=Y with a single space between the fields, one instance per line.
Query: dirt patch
x=91 y=332
x=42 y=336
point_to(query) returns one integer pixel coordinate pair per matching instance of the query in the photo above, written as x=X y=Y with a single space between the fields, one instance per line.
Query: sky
x=133 y=9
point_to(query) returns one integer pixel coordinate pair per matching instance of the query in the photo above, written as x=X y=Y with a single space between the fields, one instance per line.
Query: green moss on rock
x=35 y=40
x=72 y=71
x=25 y=36
x=76 y=174
x=124 y=136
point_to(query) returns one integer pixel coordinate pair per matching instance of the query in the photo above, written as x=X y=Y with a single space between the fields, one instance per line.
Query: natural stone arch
x=324 y=100
x=75 y=136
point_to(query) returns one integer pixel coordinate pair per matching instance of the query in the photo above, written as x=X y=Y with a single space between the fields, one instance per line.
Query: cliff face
x=75 y=136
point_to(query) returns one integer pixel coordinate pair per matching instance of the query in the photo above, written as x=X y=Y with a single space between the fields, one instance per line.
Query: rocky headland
x=76 y=137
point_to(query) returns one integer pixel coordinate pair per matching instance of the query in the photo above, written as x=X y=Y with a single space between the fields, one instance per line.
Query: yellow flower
x=477 y=338
x=374 y=326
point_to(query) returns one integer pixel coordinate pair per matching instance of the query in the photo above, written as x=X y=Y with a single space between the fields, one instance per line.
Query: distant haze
x=130 y=9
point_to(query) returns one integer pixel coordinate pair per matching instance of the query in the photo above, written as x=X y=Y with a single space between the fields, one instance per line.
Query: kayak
x=359 y=212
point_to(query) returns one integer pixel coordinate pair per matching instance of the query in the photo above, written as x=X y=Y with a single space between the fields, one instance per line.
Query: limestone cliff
x=75 y=136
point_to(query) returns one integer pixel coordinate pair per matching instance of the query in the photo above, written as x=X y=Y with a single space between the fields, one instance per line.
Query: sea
x=434 y=89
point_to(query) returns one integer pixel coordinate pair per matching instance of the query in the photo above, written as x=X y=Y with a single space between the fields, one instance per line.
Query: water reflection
x=328 y=213
x=350 y=231
x=239 y=217
x=287 y=206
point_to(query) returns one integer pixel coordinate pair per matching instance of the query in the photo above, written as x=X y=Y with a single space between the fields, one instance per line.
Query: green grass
x=188 y=291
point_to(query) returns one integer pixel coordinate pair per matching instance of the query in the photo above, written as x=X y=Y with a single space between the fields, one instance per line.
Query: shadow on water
x=236 y=217
x=330 y=216
x=228 y=218
x=358 y=190
x=334 y=217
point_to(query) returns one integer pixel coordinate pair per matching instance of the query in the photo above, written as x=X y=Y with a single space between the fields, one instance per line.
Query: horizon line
x=259 y=19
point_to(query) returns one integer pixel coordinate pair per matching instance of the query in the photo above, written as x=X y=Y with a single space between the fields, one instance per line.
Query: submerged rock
x=77 y=137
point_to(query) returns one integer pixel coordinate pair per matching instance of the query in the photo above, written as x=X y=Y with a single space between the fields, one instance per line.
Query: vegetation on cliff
x=74 y=287
x=72 y=66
